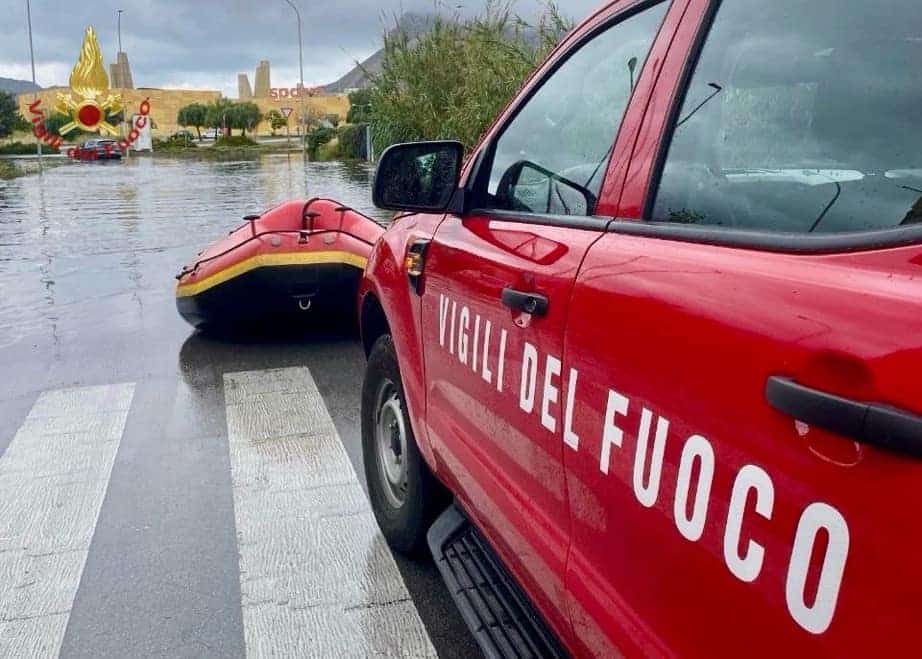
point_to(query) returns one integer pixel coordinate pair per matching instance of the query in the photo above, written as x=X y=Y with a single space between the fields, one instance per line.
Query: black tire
x=404 y=525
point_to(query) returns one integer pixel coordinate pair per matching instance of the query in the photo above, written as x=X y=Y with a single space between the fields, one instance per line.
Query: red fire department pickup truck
x=658 y=339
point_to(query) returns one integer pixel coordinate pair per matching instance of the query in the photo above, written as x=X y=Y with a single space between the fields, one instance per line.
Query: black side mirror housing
x=418 y=176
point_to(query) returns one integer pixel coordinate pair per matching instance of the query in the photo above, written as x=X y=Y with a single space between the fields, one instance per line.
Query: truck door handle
x=531 y=303
x=878 y=425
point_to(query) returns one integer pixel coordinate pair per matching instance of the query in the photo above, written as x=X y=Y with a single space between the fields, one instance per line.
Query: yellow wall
x=320 y=105
x=165 y=104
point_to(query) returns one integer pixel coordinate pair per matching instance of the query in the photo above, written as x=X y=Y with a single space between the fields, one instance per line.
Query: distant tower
x=261 y=83
x=120 y=73
x=243 y=87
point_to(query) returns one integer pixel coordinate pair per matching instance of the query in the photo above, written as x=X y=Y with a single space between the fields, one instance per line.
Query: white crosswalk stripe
x=53 y=479
x=316 y=577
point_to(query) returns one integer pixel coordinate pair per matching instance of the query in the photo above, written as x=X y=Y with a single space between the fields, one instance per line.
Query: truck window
x=551 y=158
x=801 y=117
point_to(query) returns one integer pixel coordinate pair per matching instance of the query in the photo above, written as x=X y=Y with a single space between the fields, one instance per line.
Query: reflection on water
x=90 y=244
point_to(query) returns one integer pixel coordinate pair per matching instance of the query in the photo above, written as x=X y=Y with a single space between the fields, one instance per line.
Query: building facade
x=164 y=103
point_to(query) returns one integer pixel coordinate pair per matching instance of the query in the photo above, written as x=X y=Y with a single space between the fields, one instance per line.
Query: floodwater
x=88 y=255
x=93 y=242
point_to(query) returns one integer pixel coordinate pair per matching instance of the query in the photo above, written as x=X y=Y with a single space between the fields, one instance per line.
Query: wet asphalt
x=87 y=257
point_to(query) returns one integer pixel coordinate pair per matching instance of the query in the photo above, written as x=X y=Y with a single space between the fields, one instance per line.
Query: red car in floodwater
x=659 y=338
x=99 y=149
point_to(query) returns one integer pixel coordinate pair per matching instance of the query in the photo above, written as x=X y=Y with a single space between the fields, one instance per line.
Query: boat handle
x=252 y=220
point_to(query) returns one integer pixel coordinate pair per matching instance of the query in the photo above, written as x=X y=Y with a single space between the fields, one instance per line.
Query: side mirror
x=418 y=176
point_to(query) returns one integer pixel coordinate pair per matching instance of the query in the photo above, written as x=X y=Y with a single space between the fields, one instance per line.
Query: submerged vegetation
x=225 y=147
x=18 y=149
x=346 y=142
x=451 y=80
x=8 y=170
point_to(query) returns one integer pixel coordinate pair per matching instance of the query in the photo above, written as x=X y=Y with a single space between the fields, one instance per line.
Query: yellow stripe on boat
x=265 y=260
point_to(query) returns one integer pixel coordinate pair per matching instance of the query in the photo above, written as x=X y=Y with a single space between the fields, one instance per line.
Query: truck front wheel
x=405 y=496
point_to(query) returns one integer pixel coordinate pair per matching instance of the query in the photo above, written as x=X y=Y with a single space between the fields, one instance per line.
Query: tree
x=250 y=116
x=317 y=138
x=219 y=113
x=56 y=120
x=243 y=116
x=194 y=115
x=276 y=120
x=359 y=102
x=10 y=119
x=311 y=118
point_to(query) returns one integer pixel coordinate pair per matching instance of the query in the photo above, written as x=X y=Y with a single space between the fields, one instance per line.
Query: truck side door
x=744 y=467
x=496 y=296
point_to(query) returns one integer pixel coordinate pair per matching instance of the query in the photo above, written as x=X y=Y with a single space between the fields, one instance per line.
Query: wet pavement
x=169 y=561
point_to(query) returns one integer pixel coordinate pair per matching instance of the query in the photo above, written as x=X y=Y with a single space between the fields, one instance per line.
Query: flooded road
x=159 y=535
x=96 y=241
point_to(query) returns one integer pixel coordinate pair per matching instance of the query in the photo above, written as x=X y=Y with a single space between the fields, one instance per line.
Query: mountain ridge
x=359 y=77
x=14 y=86
x=413 y=24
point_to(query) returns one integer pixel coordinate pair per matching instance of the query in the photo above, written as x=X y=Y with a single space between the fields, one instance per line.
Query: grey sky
x=204 y=44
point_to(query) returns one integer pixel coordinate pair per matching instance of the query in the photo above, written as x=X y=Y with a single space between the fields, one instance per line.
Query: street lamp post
x=123 y=128
x=301 y=89
x=120 y=29
x=38 y=143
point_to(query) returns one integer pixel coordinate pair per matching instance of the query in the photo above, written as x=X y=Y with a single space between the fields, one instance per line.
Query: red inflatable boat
x=299 y=259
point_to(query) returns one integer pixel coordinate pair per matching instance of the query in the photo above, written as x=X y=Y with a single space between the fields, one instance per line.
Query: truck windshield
x=801 y=117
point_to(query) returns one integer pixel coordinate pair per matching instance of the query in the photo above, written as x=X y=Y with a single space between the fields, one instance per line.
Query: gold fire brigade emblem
x=90 y=105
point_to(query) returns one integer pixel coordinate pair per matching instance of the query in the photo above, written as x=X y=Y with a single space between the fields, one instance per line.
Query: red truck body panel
x=691 y=335
x=629 y=470
x=504 y=466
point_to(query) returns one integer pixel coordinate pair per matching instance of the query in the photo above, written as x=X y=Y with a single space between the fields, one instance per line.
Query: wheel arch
x=373 y=322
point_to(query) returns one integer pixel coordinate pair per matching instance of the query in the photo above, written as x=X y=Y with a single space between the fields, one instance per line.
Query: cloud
x=204 y=44
x=46 y=73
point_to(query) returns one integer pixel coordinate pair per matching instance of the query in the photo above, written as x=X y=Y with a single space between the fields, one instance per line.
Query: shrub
x=276 y=120
x=174 y=142
x=317 y=138
x=351 y=142
x=328 y=151
x=20 y=149
x=358 y=106
x=451 y=81
x=234 y=141
x=56 y=120
x=10 y=119
x=8 y=170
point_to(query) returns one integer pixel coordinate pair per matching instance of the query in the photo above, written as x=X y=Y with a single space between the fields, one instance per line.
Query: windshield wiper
x=599 y=166
x=691 y=114
x=828 y=207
